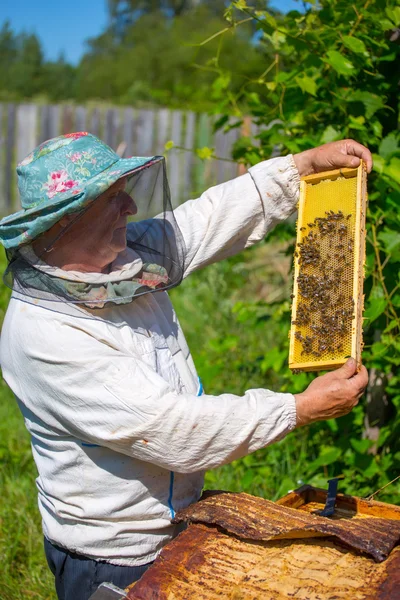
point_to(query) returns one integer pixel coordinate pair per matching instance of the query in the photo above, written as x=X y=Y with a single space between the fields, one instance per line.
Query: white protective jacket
x=120 y=433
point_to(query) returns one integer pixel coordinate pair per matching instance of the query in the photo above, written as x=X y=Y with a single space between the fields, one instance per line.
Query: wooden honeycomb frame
x=346 y=190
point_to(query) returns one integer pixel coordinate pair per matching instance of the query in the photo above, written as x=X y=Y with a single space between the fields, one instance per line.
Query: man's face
x=108 y=218
x=101 y=231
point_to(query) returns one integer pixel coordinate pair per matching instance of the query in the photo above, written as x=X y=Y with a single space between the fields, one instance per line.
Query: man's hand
x=346 y=153
x=332 y=395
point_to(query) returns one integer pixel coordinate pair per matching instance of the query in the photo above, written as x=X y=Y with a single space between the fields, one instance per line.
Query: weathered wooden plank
x=127 y=131
x=49 y=122
x=26 y=125
x=231 y=168
x=188 y=156
x=44 y=123
x=111 y=127
x=163 y=116
x=144 y=133
x=245 y=131
x=67 y=119
x=108 y=126
x=26 y=116
x=80 y=118
x=94 y=126
x=221 y=151
x=10 y=179
x=174 y=159
x=203 y=172
x=54 y=120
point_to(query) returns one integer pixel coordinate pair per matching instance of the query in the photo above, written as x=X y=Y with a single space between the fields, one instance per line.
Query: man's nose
x=128 y=205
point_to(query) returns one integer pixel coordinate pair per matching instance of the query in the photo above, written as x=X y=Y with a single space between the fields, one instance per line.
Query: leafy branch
x=333 y=76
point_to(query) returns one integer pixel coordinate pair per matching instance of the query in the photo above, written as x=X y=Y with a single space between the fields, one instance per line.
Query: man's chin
x=118 y=243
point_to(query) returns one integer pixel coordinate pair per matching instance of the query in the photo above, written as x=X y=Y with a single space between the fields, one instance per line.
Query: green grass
x=24 y=572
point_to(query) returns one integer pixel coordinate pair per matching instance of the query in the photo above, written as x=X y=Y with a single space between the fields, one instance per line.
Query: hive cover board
x=239 y=547
x=329 y=270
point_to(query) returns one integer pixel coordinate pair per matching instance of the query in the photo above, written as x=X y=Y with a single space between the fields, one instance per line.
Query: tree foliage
x=159 y=60
x=334 y=74
x=151 y=53
x=25 y=74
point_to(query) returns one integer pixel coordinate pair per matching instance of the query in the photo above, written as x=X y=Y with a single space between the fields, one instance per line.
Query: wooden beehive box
x=329 y=270
x=240 y=547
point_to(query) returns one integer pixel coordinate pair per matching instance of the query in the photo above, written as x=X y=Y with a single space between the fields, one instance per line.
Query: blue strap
x=171 y=492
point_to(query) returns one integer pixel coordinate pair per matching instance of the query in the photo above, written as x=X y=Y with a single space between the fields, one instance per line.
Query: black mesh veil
x=132 y=221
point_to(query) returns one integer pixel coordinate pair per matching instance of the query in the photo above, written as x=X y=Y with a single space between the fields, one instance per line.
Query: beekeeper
x=121 y=429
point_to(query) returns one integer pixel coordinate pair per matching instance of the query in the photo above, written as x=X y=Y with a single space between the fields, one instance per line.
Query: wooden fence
x=129 y=131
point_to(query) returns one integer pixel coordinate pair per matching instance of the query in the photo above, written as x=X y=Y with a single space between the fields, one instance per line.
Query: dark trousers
x=78 y=577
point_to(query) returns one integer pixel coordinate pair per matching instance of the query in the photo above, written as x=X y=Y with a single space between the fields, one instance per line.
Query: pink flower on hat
x=58 y=182
x=75 y=156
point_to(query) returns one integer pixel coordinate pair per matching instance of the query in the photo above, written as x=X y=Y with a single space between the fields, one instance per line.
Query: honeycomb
x=328 y=271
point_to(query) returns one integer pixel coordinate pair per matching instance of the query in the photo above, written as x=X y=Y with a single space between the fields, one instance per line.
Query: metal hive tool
x=329 y=270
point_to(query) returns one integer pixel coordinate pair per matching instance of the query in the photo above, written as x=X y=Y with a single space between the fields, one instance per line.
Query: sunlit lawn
x=23 y=572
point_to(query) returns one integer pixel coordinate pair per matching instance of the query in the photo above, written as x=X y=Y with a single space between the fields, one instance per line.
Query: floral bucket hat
x=66 y=175
x=61 y=176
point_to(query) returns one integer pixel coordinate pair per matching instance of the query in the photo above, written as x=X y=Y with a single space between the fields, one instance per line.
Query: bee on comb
x=327 y=299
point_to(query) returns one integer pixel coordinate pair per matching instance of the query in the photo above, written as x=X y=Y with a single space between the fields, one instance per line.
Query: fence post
x=80 y=118
x=26 y=130
x=187 y=161
x=174 y=158
x=10 y=149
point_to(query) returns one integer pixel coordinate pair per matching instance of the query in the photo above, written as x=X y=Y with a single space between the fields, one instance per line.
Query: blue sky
x=64 y=25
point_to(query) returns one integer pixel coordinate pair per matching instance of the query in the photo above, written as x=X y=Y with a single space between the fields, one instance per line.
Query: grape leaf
x=307 y=84
x=375 y=308
x=354 y=44
x=371 y=102
x=388 y=145
x=339 y=62
x=391 y=242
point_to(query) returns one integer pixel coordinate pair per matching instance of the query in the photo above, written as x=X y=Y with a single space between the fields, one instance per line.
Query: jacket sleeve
x=96 y=393
x=235 y=215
